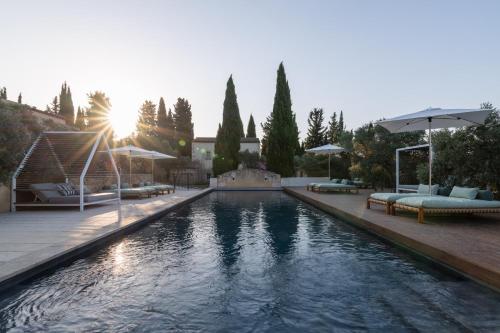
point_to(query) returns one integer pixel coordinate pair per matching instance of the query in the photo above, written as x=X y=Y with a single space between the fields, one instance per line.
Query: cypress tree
x=316 y=135
x=283 y=131
x=20 y=98
x=231 y=132
x=67 y=110
x=183 y=126
x=162 y=120
x=80 y=119
x=341 y=126
x=54 y=107
x=333 y=125
x=251 y=128
x=70 y=108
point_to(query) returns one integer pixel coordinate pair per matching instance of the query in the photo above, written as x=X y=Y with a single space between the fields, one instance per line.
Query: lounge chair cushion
x=446 y=202
x=392 y=197
x=464 y=192
x=424 y=189
x=484 y=195
x=444 y=191
x=75 y=199
x=100 y=196
x=45 y=191
x=334 y=186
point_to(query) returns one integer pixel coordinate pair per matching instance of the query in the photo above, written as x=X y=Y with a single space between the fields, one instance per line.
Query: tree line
x=280 y=141
x=169 y=132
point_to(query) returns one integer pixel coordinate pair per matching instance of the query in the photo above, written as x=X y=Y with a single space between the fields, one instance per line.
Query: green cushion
x=335 y=180
x=424 y=189
x=485 y=195
x=392 y=197
x=444 y=191
x=464 y=192
x=446 y=202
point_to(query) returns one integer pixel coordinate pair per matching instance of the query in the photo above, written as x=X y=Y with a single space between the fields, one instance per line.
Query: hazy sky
x=371 y=59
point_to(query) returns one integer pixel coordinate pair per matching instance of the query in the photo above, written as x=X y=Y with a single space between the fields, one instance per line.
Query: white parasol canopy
x=133 y=151
x=433 y=118
x=328 y=149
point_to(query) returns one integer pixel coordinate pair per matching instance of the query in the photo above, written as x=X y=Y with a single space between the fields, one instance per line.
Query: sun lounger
x=387 y=200
x=135 y=192
x=50 y=194
x=324 y=187
x=160 y=188
x=463 y=204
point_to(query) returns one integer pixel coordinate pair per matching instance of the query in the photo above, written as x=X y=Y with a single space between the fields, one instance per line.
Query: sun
x=123 y=123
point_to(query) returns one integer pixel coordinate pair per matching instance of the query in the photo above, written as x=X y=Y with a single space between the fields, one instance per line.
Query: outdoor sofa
x=64 y=194
x=335 y=185
x=462 y=200
x=387 y=199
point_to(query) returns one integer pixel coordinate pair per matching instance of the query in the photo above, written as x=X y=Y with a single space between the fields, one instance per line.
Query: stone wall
x=4 y=198
x=249 y=178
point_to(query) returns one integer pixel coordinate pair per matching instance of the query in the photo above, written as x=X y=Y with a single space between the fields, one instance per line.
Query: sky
x=371 y=59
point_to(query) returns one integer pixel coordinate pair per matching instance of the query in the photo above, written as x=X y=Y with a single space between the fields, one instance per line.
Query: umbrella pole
x=430 y=156
x=130 y=170
x=329 y=177
x=153 y=170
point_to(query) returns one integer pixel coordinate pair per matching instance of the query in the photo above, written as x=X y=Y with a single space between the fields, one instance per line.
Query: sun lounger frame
x=421 y=211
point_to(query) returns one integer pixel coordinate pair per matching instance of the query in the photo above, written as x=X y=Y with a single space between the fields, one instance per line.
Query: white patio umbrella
x=133 y=151
x=433 y=118
x=154 y=155
x=328 y=149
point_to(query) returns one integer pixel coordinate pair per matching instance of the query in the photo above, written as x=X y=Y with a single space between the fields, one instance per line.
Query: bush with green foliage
x=373 y=156
x=468 y=156
x=19 y=129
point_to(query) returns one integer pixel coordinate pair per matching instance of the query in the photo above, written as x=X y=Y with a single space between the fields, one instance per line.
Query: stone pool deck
x=469 y=245
x=34 y=241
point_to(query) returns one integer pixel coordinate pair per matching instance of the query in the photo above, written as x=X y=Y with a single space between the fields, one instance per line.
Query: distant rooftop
x=212 y=139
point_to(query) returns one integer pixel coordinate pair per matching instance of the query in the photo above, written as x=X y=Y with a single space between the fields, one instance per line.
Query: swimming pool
x=249 y=261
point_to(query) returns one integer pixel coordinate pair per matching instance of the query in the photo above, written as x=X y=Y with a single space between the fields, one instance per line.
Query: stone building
x=203 y=150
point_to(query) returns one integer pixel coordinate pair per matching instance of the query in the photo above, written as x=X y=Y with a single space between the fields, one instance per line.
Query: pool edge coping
x=73 y=253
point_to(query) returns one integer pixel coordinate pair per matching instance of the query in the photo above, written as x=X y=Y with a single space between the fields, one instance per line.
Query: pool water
x=249 y=261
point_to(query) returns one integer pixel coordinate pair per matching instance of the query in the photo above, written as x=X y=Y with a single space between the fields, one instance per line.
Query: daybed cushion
x=424 y=189
x=75 y=199
x=46 y=191
x=334 y=186
x=446 y=202
x=100 y=196
x=464 y=192
x=484 y=195
x=444 y=191
x=392 y=197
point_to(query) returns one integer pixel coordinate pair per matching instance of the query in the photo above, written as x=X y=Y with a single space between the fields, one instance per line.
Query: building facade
x=203 y=150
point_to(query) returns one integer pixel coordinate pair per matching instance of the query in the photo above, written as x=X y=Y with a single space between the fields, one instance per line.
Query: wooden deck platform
x=37 y=240
x=469 y=245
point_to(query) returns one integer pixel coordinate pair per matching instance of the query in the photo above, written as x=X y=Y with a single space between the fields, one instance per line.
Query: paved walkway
x=31 y=239
x=468 y=244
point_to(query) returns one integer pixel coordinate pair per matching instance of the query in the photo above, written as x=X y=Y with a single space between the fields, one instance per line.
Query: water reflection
x=227 y=225
x=281 y=219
